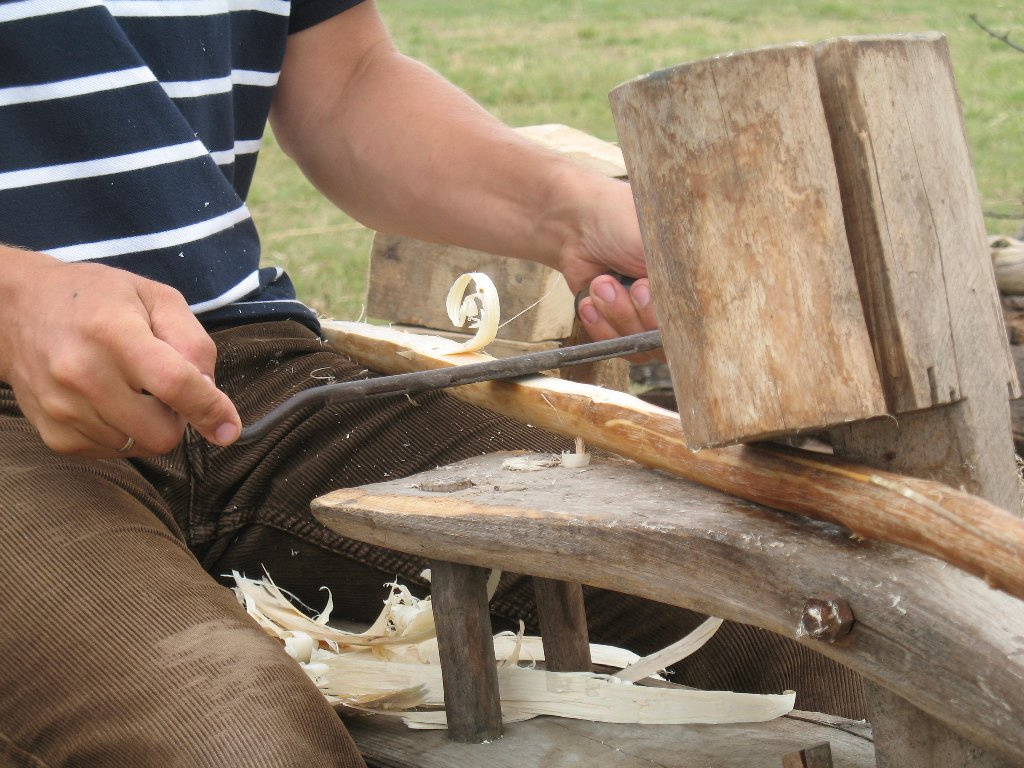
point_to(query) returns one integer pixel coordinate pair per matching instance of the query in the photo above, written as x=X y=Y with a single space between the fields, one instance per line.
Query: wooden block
x=731 y=167
x=913 y=215
x=917 y=227
x=598 y=155
x=409 y=279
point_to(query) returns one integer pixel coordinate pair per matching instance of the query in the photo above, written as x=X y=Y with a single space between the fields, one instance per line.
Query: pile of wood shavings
x=393 y=668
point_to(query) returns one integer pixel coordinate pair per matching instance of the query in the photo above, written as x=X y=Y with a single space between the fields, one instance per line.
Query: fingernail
x=605 y=291
x=226 y=433
x=641 y=294
x=589 y=314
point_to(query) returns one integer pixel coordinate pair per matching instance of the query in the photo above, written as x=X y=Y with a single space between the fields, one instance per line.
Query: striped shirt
x=129 y=131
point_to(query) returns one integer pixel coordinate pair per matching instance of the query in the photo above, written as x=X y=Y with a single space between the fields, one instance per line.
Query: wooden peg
x=563 y=625
x=818 y=756
x=466 y=648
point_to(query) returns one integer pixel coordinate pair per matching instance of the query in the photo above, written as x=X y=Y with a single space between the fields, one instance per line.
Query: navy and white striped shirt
x=129 y=131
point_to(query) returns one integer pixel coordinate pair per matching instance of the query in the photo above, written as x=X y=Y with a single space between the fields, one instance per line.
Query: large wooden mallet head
x=762 y=281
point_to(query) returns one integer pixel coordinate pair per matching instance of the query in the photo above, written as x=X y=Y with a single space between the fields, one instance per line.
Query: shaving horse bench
x=819 y=264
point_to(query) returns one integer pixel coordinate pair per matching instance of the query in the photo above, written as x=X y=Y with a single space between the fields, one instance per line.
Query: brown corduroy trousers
x=121 y=645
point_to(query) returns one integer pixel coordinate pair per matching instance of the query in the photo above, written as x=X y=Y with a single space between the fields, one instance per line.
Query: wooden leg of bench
x=818 y=756
x=563 y=625
x=466 y=647
x=906 y=737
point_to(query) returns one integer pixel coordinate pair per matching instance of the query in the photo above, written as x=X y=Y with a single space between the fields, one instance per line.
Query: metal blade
x=441 y=378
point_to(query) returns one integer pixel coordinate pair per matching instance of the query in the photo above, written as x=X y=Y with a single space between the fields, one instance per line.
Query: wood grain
x=913 y=214
x=742 y=222
x=918 y=238
x=929 y=517
x=938 y=637
x=560 y=743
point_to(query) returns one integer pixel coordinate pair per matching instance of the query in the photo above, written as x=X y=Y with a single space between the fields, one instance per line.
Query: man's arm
x=404 y=151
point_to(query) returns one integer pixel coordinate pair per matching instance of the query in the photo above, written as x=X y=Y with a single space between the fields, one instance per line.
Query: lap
x=120 y=649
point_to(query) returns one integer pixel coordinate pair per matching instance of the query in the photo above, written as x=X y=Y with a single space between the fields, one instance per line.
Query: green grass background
x=554 y=62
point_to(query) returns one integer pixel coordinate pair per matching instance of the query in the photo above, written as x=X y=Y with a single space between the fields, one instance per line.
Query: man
x=140 y=330
x=127 y=135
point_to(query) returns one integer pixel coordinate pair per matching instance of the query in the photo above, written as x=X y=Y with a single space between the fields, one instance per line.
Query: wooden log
x=742 y=223
x=464 y=640
x=923 y=515
x=934 y=634
x=905 y=737
x=497 y=348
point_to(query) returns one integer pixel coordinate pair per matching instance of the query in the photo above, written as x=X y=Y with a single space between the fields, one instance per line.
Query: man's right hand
x=96 y=355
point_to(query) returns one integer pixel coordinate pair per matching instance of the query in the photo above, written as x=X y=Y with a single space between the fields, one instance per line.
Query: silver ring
x=127 y=445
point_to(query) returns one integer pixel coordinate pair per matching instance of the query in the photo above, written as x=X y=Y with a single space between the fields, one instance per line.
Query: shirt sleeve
x=307 y=13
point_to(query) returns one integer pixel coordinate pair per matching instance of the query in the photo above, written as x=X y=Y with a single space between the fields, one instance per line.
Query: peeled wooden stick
x=961 y=529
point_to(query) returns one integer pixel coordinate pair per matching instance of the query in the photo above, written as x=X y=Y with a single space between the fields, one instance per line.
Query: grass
x=531 y=62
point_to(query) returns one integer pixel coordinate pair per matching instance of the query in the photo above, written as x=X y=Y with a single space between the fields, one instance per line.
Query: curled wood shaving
x=479 y=309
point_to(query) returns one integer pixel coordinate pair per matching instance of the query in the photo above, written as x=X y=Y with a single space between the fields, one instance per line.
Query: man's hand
x=96 y=355
x=608 y=241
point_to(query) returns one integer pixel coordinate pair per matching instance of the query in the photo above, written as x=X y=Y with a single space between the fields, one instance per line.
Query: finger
x=172 y=322
x=613 y=310
x=208 y=409
x=640 y=295
x=190 y=393
x=612 y=302
x=153 y=426
x=97 y=425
